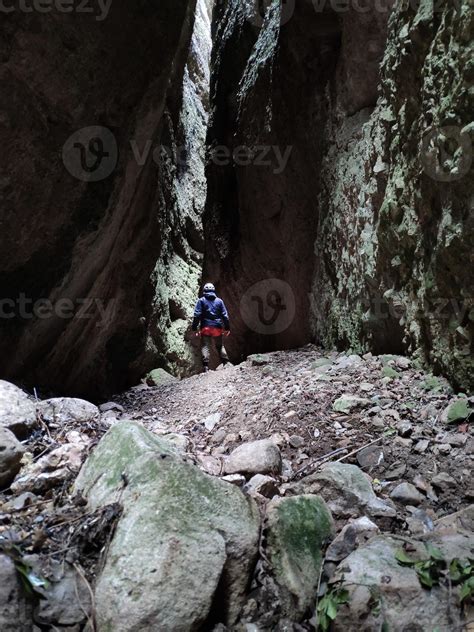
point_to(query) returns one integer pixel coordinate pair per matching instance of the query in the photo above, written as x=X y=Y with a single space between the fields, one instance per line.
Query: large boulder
x=183 y=536
x=347 y=491
x=297 y=529
x=385 y=594
x=17 y=410
x=11 y=452
x=68 y=410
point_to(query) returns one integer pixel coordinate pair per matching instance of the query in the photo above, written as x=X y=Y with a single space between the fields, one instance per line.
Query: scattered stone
x=347 y=491
x=366 y=387
x=444 y=448
x=354 y=534
x=296 y=441
x=53 y=468
x=11 y=453
x=321 y=362
x=422 y=446
x=210 y=464
x=395 y=472
x=407 y=494
x=348 y=403
x=443 y=481
x=405 y=428
x=234 y=479
x=211 y=422
x=181 y=531
x=370 y=457
x=20 y=502
x=460 y=520
x=67 y=410
x=457 y=440
x=256 y=457
x=160 y=377
x=374 y=569
x=263 y=485
x=17 y=411
x=403 y=363
x=104 y=408
x=180 y=442
x=258 y=359
x=297 y=529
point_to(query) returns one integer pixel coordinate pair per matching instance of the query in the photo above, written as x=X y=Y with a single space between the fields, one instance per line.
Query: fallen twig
x=317 y=461
x=346 y=456
x=91 y=616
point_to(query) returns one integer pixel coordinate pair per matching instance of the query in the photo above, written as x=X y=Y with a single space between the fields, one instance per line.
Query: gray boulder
x=17 y=410
x=407 y=494
x=347 y=491
x=11 y=452
x=256 y=457
x=68 y=410
x=183 y=535
x=297 y=529
x=384 y=594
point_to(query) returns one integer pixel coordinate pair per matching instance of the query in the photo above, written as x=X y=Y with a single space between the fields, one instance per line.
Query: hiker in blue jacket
x=211 y=322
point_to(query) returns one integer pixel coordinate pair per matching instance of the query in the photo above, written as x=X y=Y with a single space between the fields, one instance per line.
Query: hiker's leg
x=222 y=350
x=205 y=351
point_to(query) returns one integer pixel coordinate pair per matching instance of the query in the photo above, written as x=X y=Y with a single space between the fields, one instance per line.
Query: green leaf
x=434 y=552
x=426 y=579
x=403 y=558
x=466 y=591
x=342 y=596
x=331 y=610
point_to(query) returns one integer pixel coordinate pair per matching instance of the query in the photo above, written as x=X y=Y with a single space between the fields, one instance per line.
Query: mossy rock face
x=387 y=371
x=181 y=531
x=298 y=528
x=457 y=411
x=159 y=377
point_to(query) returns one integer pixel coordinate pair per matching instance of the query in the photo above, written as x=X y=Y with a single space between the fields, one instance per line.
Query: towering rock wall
x=86 y=215
x=177 y=273
x=394 y=260
x=368 y=225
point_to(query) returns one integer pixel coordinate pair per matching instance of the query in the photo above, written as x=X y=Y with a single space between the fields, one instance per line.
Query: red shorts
x=213 y=332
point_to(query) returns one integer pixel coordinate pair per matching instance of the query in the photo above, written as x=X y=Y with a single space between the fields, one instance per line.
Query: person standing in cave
x=211 y=323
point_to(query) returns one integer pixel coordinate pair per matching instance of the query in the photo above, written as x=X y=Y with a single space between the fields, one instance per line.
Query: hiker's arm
x=197 y=315
x=225 y=317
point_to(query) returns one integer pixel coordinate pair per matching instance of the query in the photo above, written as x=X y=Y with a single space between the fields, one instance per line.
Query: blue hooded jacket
x=210 y=311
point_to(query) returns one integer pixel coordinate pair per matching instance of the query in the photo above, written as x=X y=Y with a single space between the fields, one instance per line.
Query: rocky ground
x=296 y=490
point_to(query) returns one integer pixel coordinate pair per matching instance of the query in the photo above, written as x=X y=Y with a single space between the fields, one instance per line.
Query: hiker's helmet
x=209 y=287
